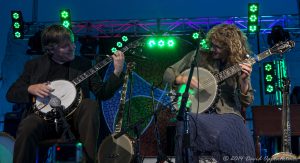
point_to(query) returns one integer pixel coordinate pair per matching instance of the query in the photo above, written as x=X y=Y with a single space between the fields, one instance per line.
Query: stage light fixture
x=253 y=9
x=161 y=42
x=17 y=24
x=269 y=77
x=65 y=18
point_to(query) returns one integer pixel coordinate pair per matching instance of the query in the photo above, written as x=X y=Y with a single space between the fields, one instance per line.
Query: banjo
x=286 y=148
x=67 y=92
x=118 y=150
x=203 y=98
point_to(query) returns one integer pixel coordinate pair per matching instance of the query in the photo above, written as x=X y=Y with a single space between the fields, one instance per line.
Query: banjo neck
x=286 y=126
x=285 y=120
x=105 y=62
x=119 y=119
x=91 y=71
x=221 y=76
x=278 y=48
x=94 y=69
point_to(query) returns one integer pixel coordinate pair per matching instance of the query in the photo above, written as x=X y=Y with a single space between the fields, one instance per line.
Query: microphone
x=55 y=103
x=174 y=94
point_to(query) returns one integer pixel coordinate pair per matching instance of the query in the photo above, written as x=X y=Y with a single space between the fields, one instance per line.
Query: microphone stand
x=137 y=146
x=67 y=134
x=183 y=114
x=129 y=99
x=56 y=119
x=161 y=157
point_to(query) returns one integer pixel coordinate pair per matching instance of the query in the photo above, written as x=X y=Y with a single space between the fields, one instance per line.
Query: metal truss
x=174 y=26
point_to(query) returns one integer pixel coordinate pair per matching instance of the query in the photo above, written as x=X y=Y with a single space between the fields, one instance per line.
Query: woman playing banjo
x=219 y=131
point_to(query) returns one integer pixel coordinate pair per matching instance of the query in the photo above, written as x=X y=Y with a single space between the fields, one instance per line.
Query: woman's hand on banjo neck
x=246 y=71
x=41 y=90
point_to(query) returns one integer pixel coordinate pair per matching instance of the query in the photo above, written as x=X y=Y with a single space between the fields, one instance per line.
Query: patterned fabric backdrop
x=147 y=77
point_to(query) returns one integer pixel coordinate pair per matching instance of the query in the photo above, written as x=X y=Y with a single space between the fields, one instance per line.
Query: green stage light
x=113 y=50
x=269 y=78
x=65 y=18
x=204 y=44
x=171 y=43
x=252 y=28
x=64 y=14
x=195 y=35
x=253 y=18
x=66 y=24
x=17 y=24
x=253 y=7
x=124 y=38
x=119 y=44
x=268 y=67
x=161 y=43
x=270 y=89
x=15 y=15
x=151 y=43
x=17 y=35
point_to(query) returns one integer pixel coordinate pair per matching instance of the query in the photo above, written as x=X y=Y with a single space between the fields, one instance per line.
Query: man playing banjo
x=60 y=63
x=219 y=131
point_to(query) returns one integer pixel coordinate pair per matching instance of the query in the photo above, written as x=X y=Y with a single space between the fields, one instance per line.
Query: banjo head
x=204 y=96
x=115 y=150
x=63 y=89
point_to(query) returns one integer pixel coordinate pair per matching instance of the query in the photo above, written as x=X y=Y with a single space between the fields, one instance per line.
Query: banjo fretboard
x=91 y=71
x=94 y=69
x=278 y=48
x=221 y=76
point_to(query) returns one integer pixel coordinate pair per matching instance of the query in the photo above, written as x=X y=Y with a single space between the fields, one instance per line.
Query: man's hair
x=54 y=35
x=232 y=39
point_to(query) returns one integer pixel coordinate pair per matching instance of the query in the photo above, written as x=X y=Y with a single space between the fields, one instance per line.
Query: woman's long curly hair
x=232 y=39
